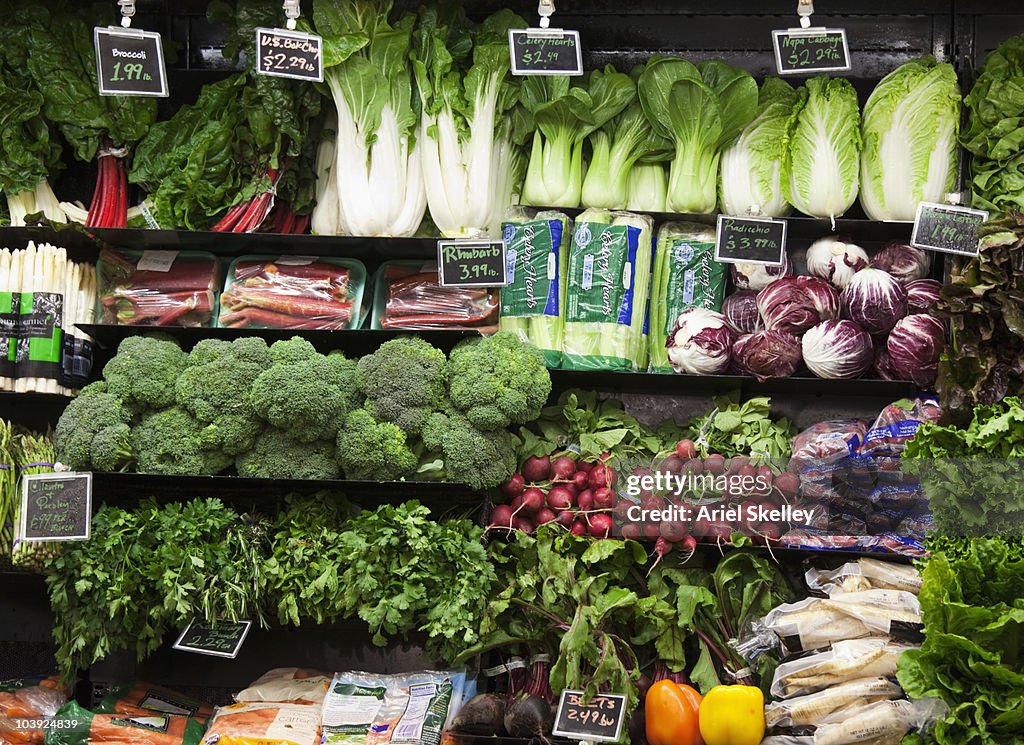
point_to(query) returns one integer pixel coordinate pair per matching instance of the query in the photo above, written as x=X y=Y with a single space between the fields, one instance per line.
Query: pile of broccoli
x=404 y=412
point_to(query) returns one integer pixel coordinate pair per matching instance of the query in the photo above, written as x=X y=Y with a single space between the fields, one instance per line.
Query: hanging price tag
x=810 y=50
x=949 y=229
x=129 y=62
x=599 y=719
x=289 y=54
x=472 y=263
x=221 y=640
x=545 y=51
x=750 y=240
x=55 y=507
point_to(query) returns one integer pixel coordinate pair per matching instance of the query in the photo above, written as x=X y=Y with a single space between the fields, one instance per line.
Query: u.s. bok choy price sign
x=129 y=62
x=289 y=54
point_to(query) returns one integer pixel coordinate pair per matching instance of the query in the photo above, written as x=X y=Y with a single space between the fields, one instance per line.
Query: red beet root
x=524 y=524
x=580 y=480
x=715 y=464
x=533 y=500
x=578 y=528
x=544 y=516
x=565 y=518
x=585 y=500
x=631 y=531
x=501 y=517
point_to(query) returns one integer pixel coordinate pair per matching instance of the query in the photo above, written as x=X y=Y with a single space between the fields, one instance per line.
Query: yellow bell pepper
x=732 y=715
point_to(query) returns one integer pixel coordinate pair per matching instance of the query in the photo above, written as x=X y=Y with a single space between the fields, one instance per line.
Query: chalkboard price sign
x=129 y=62
x=55 y=507
x=949 y=229
x=543 y=51
x=223 y=639
x=810 y=50
x=750 y=240
x=289 y=54
x=472 y=263
x=601 y=718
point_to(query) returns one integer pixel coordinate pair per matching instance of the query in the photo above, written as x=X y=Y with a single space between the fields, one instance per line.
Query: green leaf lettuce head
x=995 y=129
x=701 y=109
x=910 y=127
x=751 y=168
x=821 y=174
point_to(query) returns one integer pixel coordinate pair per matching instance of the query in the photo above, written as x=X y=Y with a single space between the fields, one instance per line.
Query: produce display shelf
x=127 y=489
x=612 y=381
x=31 y=409
x=358 y=341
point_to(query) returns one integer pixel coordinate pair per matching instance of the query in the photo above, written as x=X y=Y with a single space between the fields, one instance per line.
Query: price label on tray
x=800 y=51
x=223 y=639
x=129 y=62
x=600 y=719
x=289 y=54
x=545 y=51
x=472 y=263
x=750 y=240
x=55 y=507
x=946 y=228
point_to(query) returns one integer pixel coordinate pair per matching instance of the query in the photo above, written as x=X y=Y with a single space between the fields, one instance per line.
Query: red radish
x=585 y=500
x=787 y=484
x=652 y=502
x=715 y=464
x=701 y=527
x=544 y=516
x=565 y=518
x=537 y=468
x=719 y=529
x=517 y=504
x=694 y=466
x=578 y=528
x=501 y=517
x=748 y=473
x=601 y=525
x=662 y=547
x=688 y=544
x=749 y=515
x=559 y=498
x=533 y=500
x=571 y=488
x=651 y=529
x=686 y=449
x=524 y=524
x=598 y=477
x=604 y=457
x=771 y=531
x=673 y=530
x=671 y=464
x=580 y=480
x=622 y=508
x=514 y=486
x=631 y=531
x=642 y=471
x=737 y=462
x=584 y=466
x=604 y=498
x=562 y=468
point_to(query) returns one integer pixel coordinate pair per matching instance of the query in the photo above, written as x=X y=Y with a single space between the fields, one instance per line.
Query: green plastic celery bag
x=533 y=301
x=607 y=292
x=685 y=276
x=75 y=725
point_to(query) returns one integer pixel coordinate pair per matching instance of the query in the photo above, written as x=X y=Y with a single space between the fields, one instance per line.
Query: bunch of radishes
x=575 y=493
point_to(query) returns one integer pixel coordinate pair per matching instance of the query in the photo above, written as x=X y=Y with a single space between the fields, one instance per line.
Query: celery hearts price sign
x=55 y=507
x=543 y=51
x=289 y=54
x=800 y=51
x=472 y=263
x=223 y=639
x=750 y=240
x=129 y=62
x=599 y=719
x=949 y=229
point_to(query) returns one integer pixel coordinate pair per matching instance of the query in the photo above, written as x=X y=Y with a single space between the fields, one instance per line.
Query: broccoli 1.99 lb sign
x=599 y=719
x=544 y=51
x=472 y=263
x=221 y=639
x=55 y=507
x=129 y=62
x=750 y=240
x=810 y=50
x=949 y=229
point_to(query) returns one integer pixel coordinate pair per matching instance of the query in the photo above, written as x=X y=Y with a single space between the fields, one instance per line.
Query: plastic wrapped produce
x=533 y=301
x=157 y=288
x=293 y=292
x=408 y=295
x=31 y=698
x=827 y=442
x=845 y=661
x=807 y=711
x=865 y=574
x=607 y=291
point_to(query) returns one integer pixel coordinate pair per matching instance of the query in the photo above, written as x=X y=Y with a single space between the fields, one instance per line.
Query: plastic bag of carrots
x=75 y=725
x=145 y=699
x=31 y=698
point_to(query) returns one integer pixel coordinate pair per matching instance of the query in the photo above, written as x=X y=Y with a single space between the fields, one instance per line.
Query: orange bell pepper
x=672 y=714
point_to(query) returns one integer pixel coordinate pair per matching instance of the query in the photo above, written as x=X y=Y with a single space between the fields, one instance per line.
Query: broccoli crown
x=215 y=390
x=345 y=373
x=144 y=371
x=498 y=380
x=481 y=460
x=295 y=349
x=276 y=456
x=173 y=441
x=368 y=449
x=112 y=448
x=93 y=412
x=404 y=382
x=303 y=398
x=207 y=350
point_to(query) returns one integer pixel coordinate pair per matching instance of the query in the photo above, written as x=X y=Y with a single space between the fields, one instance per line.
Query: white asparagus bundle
x=6 y=285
